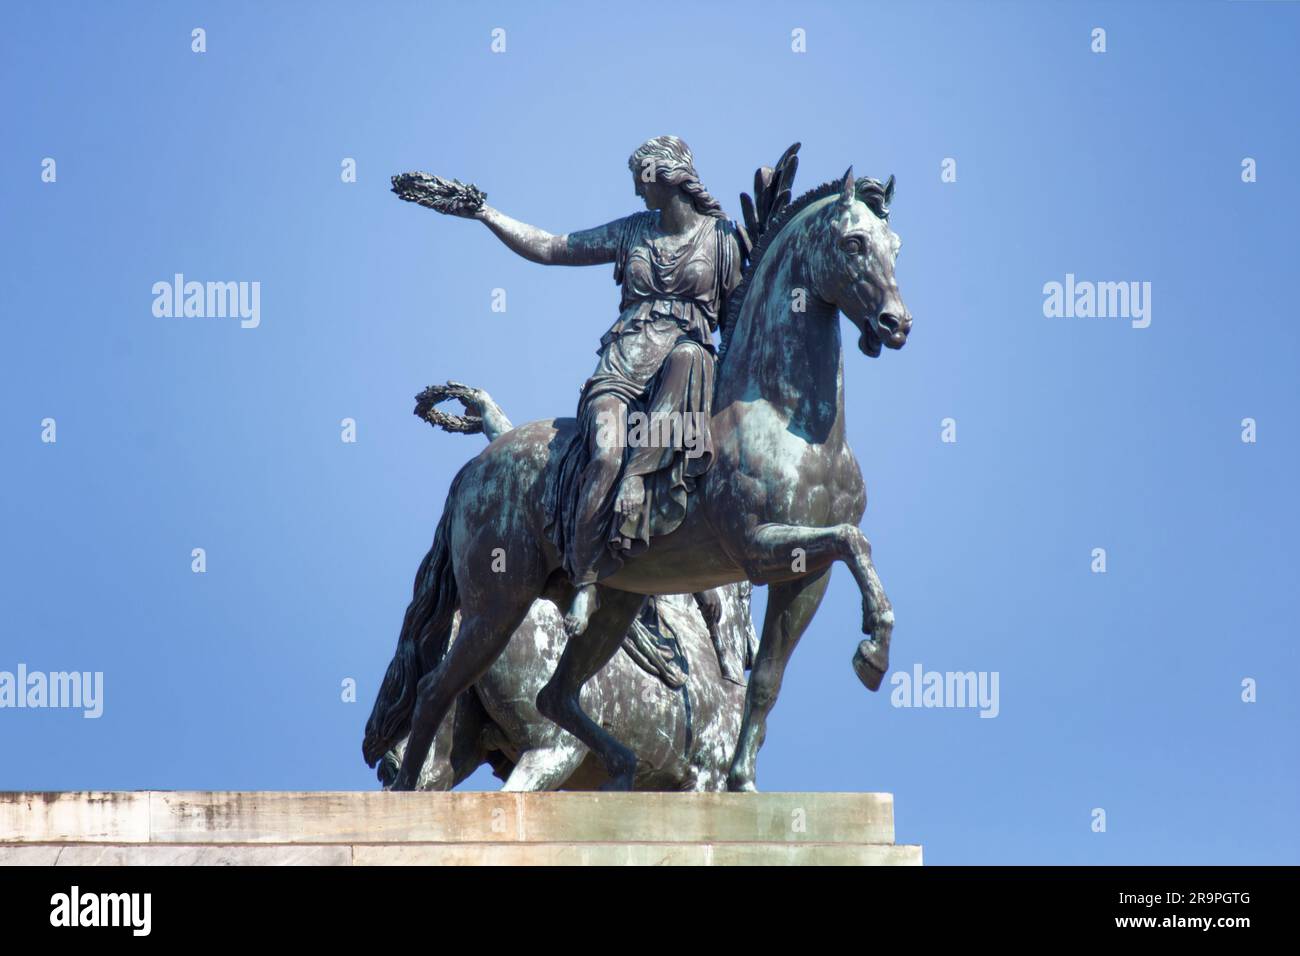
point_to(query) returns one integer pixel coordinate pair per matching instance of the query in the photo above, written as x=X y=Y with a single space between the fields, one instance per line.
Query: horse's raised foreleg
x=781 y=552
x=583 y=656
x=790 y=606
x=871 y=659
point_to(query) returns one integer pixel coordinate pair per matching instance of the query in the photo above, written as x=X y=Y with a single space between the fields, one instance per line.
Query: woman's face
x=654 y=193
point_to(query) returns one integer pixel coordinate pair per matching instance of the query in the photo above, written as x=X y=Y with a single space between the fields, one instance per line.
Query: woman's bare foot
x=584 y=605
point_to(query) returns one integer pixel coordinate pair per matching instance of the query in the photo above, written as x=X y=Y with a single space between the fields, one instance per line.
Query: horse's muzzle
x=895 y=328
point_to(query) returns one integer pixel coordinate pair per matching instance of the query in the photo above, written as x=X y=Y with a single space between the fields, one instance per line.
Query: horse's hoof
x=741 y=786
x=870 y=662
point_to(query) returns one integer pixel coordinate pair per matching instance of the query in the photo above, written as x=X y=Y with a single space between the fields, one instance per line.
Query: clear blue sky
x=1119 y=690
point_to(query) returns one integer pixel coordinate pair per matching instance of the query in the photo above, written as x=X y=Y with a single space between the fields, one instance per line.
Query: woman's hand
x=450 y=197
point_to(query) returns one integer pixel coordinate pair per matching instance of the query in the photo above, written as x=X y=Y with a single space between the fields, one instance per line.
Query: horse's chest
x=777 y=476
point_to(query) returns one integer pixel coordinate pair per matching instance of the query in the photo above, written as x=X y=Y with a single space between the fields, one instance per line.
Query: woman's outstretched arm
x=589 y=247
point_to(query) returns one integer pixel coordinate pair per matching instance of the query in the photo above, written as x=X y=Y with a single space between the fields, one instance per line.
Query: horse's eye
x=853 y=246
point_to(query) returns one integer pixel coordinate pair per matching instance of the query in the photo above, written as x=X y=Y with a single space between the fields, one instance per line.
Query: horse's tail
x=427 y=625
x=425 y=636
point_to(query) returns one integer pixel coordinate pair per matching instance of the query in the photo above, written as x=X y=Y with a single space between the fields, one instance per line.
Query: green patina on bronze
x=776 y=501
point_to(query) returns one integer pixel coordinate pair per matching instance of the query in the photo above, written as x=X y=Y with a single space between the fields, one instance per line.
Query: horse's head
x=853 y=264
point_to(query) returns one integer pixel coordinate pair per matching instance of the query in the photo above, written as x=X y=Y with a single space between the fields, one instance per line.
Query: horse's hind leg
x=482 y=638
x=457 y=749
x=790 y=606
x=465 y=751
x=583 y=656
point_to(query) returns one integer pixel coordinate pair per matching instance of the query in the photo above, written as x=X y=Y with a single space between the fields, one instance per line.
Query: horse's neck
x=791 y=360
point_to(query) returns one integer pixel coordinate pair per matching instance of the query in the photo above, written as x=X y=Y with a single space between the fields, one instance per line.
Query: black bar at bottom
x=381 y=906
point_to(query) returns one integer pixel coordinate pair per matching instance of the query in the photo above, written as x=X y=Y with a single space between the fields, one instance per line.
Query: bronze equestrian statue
x=766 y=490
x=675 y=693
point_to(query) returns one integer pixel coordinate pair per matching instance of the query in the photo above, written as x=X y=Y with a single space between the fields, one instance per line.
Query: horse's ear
x=846 y=190
x=889 y=190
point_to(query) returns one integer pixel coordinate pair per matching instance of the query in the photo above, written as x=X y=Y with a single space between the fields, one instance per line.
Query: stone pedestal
x=378 y=828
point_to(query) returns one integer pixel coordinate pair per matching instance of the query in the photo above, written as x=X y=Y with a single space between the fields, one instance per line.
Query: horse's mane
x=870 y=191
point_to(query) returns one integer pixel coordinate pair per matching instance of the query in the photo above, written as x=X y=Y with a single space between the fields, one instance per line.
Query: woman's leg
x=669 y=446
x=607 y=413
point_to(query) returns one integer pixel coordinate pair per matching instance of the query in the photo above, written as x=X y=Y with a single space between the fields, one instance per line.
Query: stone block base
x=449 y=829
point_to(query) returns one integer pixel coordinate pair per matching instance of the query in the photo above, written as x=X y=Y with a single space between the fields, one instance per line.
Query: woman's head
x=663 y=166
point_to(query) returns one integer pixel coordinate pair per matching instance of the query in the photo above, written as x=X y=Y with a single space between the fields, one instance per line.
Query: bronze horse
x=675 y=693
x=780 y=504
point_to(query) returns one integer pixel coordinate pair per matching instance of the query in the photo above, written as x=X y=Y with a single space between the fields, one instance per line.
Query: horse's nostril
x=891 y=322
